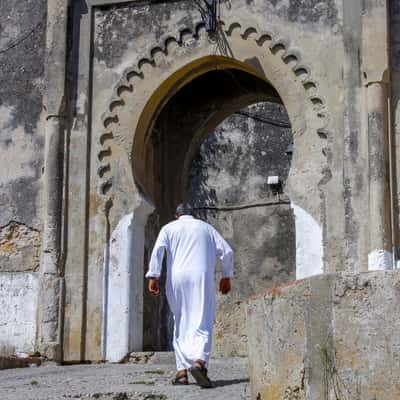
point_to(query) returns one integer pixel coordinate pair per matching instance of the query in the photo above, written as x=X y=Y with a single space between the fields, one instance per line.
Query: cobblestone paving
x=123 y=382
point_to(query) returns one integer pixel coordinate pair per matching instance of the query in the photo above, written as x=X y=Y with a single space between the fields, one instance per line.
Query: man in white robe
x=191 y=246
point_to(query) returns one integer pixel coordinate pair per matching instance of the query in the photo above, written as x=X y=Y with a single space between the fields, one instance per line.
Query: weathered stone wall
x=21 y=93
x=228 y=186
x=18 y=302
x=329 y=337
x=22 y=47
x=136 y=47
x=135 y=52
x=395 y=110
x=115 y=56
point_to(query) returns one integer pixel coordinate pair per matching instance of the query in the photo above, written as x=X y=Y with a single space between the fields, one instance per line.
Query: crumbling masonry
x=277 y=119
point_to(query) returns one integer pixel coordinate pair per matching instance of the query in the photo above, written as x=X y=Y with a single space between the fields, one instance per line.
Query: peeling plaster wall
x=18 y=302
x=22 y=47
x=19 y=248
x=123 y=35
x=330 y=179
x=21 y=92
x=306 y=25
x=395 y=110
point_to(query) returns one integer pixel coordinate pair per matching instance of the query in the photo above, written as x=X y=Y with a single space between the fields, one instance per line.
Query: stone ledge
x=333 y=333
x=150 y=357
x=18 y=362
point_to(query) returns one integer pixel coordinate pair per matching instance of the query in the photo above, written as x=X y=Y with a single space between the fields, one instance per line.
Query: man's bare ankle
x=182 y=372
x=200 y=363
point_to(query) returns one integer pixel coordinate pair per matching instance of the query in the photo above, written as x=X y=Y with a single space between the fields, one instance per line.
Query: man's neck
x=186 y=217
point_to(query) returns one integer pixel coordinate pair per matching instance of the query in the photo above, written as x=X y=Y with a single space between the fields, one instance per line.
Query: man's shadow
x=226 y=382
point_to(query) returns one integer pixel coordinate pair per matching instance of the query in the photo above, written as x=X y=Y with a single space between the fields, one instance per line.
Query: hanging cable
x=243 y=206
x=265 y=120
x=24 y=36
x=209 y=10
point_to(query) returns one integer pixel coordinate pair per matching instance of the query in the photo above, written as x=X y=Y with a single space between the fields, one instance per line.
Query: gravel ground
x=123 y=382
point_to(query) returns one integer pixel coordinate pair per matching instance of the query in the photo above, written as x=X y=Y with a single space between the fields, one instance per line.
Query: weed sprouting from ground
x=156 y=397
x=331 y=377
x=155 y=372
x=142 y=383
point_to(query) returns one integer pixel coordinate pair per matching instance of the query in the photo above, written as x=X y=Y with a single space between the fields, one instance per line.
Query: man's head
x=183 y=209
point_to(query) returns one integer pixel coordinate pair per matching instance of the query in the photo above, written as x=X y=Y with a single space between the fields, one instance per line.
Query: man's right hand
x=154 y=287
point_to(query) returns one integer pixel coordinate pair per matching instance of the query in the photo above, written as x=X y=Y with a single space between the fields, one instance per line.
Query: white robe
x=192 y=247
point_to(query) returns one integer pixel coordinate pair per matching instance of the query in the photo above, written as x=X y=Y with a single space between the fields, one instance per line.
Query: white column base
x=309 y=251
x=380 y=260
x=123 y=286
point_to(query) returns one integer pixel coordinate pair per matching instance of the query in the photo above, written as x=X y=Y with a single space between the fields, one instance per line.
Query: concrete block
x=149 y=357
x=19 y=362
x=327 y=337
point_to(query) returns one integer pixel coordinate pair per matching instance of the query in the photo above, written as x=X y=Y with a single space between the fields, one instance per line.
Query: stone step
x=19 y=362
x=151 y=357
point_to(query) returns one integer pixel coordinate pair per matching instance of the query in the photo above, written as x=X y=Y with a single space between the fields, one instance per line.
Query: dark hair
x=184 y=209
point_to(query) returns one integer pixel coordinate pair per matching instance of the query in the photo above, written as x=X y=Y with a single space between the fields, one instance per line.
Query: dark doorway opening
x=221 y=142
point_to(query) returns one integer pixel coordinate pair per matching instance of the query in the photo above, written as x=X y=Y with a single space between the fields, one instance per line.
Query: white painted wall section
x=18 y=306
x=309 y=251
x=118 y=287
x=123 y=286
x=380 y=260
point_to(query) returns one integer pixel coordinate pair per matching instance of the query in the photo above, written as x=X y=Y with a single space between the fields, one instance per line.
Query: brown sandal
x=199 y=373
x=180 y=379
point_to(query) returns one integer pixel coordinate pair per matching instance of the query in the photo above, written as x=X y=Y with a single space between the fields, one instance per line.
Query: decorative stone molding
x=277 y=46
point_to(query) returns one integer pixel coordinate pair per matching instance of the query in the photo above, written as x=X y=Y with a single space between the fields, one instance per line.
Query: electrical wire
x=266 y=120
x=24 y=36
x=243 y=206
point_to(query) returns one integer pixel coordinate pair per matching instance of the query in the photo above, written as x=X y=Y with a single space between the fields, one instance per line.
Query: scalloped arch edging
x=276 y=45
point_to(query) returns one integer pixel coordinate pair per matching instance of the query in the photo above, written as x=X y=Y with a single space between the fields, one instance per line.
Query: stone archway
x=224 y=86
x=122 y=137
x=167 y=152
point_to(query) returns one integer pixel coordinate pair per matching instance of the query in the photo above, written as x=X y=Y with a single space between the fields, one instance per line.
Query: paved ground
x=122 y=382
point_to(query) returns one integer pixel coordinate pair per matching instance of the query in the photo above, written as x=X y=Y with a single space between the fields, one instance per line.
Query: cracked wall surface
x=136 y=47
x=19 y=248
x=22 y=84
x=126 y=73
x=21 y=101
x=326 y=337
x=395 y=99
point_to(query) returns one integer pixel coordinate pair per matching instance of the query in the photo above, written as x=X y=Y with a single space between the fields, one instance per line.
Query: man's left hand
x=154 y=287
x=225 y=285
